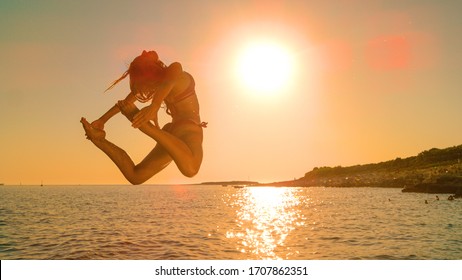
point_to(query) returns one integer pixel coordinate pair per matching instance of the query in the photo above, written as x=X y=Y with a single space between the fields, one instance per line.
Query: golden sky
x=368 y=81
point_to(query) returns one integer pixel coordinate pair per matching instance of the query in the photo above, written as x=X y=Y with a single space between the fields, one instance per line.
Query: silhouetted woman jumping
x=180 y=140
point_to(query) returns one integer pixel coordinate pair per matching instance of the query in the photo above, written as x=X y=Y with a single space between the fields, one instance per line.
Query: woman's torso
x=182 y=102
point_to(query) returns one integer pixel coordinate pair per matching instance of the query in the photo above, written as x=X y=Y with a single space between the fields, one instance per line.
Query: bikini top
x=145 y=96
x=189 y=91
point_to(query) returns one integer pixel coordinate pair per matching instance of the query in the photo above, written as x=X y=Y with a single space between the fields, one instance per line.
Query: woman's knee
x=135 y=180
x=135 y=177
x=190 y=170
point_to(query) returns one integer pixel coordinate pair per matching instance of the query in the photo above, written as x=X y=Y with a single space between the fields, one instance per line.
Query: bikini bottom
x=176 y=124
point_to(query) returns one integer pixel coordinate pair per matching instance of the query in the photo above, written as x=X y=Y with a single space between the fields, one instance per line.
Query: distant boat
x=1 y=184
x=238 y=187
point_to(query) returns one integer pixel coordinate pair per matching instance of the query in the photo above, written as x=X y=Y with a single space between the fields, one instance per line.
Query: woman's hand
x=144 y=115
x=98 y=124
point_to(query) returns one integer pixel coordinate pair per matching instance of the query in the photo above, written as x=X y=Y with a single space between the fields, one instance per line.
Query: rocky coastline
x=442 y=185
x=433 y=171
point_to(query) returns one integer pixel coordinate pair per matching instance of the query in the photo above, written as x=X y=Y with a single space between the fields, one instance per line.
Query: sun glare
x=264 y=68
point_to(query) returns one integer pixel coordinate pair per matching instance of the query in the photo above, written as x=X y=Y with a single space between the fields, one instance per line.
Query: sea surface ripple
x=215 y=222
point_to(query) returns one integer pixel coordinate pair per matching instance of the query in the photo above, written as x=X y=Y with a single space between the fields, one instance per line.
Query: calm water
x=215 y=222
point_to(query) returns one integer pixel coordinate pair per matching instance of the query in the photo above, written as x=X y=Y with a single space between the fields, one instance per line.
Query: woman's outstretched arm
x=114 y=110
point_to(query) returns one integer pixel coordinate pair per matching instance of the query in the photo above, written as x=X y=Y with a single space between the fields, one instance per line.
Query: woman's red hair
x=146 y=64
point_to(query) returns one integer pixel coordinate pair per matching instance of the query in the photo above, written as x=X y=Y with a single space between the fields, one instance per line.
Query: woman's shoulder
x=174 y=71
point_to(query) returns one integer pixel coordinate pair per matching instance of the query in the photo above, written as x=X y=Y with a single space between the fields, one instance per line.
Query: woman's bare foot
x=128 y=109
x=93 y=134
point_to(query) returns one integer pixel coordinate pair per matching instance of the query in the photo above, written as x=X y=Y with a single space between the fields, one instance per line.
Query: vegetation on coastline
x=231 y=183
x=431 y=171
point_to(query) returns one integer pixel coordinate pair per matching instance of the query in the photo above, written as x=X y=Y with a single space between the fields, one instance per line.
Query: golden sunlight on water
x=264 y=218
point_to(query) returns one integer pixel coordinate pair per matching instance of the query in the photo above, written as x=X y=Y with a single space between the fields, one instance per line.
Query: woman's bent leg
x=135 y=174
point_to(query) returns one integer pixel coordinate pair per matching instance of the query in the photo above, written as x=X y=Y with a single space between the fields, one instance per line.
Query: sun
x=264 y=68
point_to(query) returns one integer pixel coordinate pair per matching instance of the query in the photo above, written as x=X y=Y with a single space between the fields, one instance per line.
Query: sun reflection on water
x=264 y=218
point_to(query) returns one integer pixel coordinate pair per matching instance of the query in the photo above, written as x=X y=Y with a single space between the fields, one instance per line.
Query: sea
x=214 y=222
